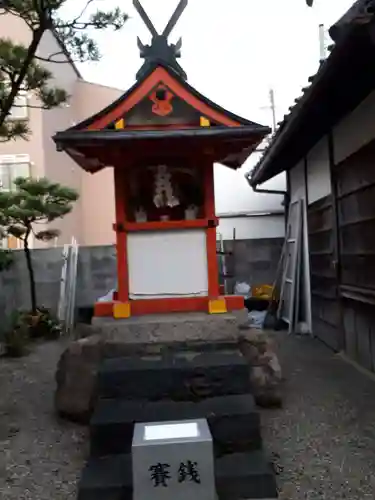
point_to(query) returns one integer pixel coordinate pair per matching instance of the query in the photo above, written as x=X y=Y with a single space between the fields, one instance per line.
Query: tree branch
x=8 y=101
x=49 y=58
x=83 y=11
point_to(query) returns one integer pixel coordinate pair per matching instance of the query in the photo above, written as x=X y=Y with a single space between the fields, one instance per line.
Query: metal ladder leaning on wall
x=68 y=285
x=223 y=268
x=288 y=309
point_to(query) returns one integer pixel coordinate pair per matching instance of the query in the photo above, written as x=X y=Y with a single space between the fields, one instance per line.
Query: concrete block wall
x=255 y=261
x=14 y=283
x=96 y=275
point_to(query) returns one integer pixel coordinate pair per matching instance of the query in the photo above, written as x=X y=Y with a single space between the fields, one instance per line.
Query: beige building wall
x=14 y=28
x=57 y=166
x=98 y=196
x=91 y=219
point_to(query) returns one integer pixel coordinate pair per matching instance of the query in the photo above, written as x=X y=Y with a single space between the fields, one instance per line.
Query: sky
x=233 y=52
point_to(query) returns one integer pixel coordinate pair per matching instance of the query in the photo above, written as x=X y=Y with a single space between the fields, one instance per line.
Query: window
x=12 y=167
x=19 y=111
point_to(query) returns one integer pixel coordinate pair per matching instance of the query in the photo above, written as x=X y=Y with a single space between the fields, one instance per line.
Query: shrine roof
x=139 y=119
x=162 y=73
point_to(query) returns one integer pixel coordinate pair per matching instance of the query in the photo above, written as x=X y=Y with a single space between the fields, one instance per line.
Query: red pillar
x=212 y=266
x=121 y=236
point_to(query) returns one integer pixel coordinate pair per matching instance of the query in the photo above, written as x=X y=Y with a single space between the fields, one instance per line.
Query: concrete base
x=177 y=327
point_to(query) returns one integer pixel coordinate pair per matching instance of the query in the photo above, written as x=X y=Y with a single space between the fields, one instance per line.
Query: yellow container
x=262 y=292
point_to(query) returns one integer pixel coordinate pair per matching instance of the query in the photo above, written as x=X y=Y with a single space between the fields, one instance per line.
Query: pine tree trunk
x=31 y=274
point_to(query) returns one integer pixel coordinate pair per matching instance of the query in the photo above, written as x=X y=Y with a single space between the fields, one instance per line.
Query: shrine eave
x=95 y=149
x=87 y=136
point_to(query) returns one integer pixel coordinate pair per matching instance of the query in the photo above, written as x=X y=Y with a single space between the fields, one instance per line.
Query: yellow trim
x=121 y=310
x=217 y=306
x=204 y=122
x=120 y=124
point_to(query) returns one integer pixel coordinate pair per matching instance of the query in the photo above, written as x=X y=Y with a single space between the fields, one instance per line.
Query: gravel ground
x=323 y=438
x=40 y=457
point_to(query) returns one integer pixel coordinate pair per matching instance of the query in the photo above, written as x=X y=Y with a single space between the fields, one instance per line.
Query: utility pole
x=322 y=43
x=273 y=109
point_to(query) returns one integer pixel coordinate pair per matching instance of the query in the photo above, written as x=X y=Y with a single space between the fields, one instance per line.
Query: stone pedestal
x=177 y=327
x=173 y=461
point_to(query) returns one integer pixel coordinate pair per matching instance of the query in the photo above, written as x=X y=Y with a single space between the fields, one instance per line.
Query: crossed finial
x=171 y=23
x=160 y=41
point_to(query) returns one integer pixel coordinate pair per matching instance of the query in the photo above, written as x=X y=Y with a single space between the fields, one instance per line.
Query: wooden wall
x=324 y=288
x=355 y=185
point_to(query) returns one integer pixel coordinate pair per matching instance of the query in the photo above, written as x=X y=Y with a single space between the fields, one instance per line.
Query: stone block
x=245 y=475
x=233 y=420
x=107 y=478
x=238 y=476
x=179 y=378
x=176 y=327
x=79 y=364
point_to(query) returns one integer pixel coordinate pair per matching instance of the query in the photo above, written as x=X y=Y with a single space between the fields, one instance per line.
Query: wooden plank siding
x=355 y=187
x=324 y=287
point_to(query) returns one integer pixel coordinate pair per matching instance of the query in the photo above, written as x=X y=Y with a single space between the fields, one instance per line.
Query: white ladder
x=288 y=309
x=68 y=285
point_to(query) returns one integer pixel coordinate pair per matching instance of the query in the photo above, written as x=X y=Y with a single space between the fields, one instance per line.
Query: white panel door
x=167 y=264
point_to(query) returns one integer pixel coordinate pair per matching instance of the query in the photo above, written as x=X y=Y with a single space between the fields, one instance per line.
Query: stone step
x=238 y=476
x=233 y=420
x=181 y=377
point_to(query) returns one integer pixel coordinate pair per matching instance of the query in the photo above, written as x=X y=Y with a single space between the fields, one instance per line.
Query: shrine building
x=162 y=138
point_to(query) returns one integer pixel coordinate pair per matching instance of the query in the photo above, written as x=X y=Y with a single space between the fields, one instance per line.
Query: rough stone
x=76 y=378
x=266 y=376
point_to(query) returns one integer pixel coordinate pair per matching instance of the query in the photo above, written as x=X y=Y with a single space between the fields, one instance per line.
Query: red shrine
x=162 y=138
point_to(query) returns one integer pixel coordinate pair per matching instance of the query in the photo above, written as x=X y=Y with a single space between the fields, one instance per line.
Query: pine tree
x=33 y=202
x=22 y=70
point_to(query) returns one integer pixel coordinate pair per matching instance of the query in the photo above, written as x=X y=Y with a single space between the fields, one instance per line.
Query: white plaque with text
x=173 y=460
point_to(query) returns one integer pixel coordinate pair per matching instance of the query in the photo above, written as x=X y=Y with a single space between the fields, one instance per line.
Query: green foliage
x=34 y=201
x=26 y=327
x=41 y=324
x=6 y=259
x=22 y=70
